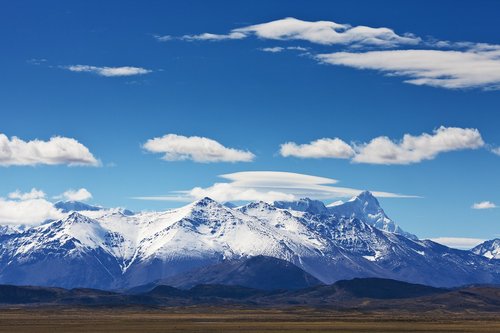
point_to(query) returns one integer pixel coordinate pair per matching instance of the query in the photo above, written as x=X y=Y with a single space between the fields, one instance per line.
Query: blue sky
x=234 y=92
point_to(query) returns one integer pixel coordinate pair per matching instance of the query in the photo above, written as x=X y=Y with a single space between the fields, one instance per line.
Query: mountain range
x=94 y=247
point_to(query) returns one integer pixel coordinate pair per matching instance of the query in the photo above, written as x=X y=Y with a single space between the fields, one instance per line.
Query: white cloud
x=326 y=33
x=322 y=148
x=27 y=208
x=109 y=71
x=458 y=242
x=496 y=151
x=33 y=194
x=444 y=64
x=319 y=32
x=199 y=149
x=383 y=150
x=268 y=186
x=438 y=68
x=58 y=150
x=414 y=149
x=484 y=205
x=274 y=49
x=230 y=192
x=31 y=208
x=76 y=195
x=214 y=37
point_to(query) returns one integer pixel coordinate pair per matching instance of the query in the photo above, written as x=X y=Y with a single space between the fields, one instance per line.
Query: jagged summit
x=75 y=217
x=367 y=197
x=257 y=205
x=489 y=249
x=205 y=202
x=366 y=207
x=303 y=205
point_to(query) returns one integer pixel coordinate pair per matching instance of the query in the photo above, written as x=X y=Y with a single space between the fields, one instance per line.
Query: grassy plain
x=206 y=319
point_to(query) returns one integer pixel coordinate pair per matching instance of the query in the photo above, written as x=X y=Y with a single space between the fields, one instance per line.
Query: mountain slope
x=260 y=272
x=63 y=253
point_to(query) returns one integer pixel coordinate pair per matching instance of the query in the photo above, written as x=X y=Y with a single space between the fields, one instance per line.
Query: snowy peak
x=205 y=202
x=489 y=249
x=368 y=200
x=77 y=218
x=206 y=208
x=258 y=205
x=88 y=232
x=11 y=229
x=367 y=196
x=303 y=205
x=366 y=208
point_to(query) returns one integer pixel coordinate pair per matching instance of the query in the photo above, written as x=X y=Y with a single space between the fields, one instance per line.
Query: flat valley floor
x=206 y=319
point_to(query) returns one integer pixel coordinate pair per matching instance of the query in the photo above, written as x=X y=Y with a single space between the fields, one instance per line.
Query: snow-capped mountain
x=367 y=208
x=11 y=229
x=489 y=249
x=112 y=248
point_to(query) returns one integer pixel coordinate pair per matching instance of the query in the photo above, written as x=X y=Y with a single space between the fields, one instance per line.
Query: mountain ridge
x=370 y=294
x=489 y=249
x=108 y=249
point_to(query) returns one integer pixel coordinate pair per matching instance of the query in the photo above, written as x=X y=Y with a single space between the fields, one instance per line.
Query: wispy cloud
x=383 y=150
x=462 y=243
x=274 y=49
x=430 y=62
x=163 y=38
x=198 y=149
x=268 y=186
x=297 y=48
x=57 y=150
x=108 y=71
x=36 y=61
x=277 y=49
x=319 y=32
x=437 y=68
x=484 y=205
x=496 y=151
x=214 y=37
x=327 y=33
